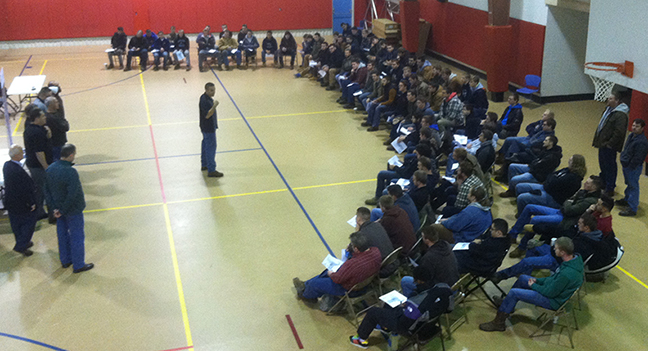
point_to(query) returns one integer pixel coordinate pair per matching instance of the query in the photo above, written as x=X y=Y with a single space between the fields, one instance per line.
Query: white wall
x=617 y=32
x=534 y=11
x=564 y=53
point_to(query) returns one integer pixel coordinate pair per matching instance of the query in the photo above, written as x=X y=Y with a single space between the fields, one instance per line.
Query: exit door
x=342 y=13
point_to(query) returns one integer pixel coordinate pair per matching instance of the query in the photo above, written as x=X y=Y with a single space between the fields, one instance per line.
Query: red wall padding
x=50 y=19
x=458 y=32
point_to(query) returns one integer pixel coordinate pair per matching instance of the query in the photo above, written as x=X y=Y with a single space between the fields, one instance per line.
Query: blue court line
x=25 y=66
x=153 y=158
x=32 y=341
x=274 y=165
x=105 y=85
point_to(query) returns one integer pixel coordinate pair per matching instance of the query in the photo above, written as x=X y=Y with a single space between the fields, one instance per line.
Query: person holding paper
x=249 y=46
x=118 y=44
x=269 y=47
x=181 y=44
x=355 y=82
x=471 y=222
x=137 y=46
x=161 y=47
x=228 y=47
x=484 y=255
x=206 y=47
x=364 y=263
x=438 y=259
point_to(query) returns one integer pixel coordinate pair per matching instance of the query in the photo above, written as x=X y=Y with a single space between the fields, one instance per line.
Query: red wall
x=458 y=32
x=49 y=19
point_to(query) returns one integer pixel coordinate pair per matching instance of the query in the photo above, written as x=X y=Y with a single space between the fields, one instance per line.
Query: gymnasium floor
x=184 y=260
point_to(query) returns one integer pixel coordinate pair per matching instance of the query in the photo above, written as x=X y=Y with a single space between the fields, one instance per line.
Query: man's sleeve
x=73 y=187
x=555 y=288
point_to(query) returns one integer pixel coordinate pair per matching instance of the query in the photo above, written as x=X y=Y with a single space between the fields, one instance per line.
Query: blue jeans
x=522 y=292
x=376 y=214
x=156 y=58
x=348 y=92
x=525 y=197
x=227 y=53
x=374 y=118
x=143 y=55
x=513 y=144
x=363 y=99
x=264 y=53
x=608 y=166
x=321 y=285
x=208 y=153
x=538 y=258
x=519 y=173
x=69 y=229
x=203 y=54
x=23 y=226
x=384 y=178
x=631 y=177
x=408 y=286
x=186 y=55
x=541 y=214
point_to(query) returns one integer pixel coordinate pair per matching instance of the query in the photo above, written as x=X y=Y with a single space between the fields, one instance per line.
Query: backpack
x=429 y=304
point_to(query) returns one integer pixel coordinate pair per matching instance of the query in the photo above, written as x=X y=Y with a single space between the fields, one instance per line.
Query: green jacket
x=561 y=285
x=613 y=131
x=63 y=190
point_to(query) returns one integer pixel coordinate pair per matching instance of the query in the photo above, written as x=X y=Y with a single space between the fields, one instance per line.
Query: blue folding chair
x=532 y=85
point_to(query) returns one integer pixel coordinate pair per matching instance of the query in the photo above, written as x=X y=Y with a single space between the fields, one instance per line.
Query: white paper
x=438 y=220
x=394 y=161
x=393 y=298
x=399 y=146
x=331 y=263
x=454 y=166
x=234 y=51
x=212 y=51
x=404 y=183
x=321 y=73
x=352 y=222
x=450 y=179
x=155 y=50
x=461 y=139
x=405 y=131
x=460 y=246
x=110 y=50
x=180 y=55
x=357 y=93
x=312 y=63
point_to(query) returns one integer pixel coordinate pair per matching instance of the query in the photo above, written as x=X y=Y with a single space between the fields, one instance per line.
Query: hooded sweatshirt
x=561 y=285
x=470 y=223
x=441 y=263
x=611 y=130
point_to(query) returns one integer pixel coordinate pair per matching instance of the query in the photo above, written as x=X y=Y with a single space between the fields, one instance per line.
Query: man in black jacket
x=485 y=255
x=20 y=201
x=206 y=47
x=332 y=66
x=609 y=138
x=512 y=117
x=632 y=159
x=39 y=156
x=269 y=47
x=58 y=125
x=181 y=47
x=138 y=46
x=118 y=43
x=486 y=152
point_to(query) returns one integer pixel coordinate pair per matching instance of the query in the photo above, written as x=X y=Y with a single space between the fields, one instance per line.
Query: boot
x=528 y=228
x=508 y=193
x=517 y=253
x=497 y=324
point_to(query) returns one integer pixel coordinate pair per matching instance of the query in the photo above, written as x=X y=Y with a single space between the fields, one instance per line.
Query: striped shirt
x=358 y=268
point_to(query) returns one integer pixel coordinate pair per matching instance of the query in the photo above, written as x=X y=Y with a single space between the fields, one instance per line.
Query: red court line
x=292 y=327
x=180 y=348
x=157 y=163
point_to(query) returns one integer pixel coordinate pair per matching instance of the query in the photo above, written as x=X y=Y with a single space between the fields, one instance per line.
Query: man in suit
x=609 y=138
x=20 y=201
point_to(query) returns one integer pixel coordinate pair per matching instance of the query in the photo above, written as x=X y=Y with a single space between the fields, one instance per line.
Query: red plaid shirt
x=358 y=268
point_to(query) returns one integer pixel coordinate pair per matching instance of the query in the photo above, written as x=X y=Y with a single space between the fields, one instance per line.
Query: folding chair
x=459 y=298
x=390 y=259
x=414 y=337
x=425 y=216
x=480 y=281
x=554 y=315
x=354 y=295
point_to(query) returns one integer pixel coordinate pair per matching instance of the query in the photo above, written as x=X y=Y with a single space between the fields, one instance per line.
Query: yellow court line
x=176 y=271
x=146 y=105
x=107 y=128
x=228 y=196
x=122 y=207
x=42 y=68
x=334 y=184
x=633 y=277
x=298 y=114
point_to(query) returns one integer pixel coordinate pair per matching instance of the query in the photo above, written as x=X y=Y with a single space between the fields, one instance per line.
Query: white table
x=24 y=87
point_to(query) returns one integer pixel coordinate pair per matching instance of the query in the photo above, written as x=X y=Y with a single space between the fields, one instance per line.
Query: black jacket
x=486 y=155
x=59 y=127
x=547 y=162
x=138 y=43
x=19 y=194
x=118 y=41
x=441 y=263
x=269 y=44
x=479 y=100
x=181 y=43
x=562 y=184
x=205 y=43
x=514 y=121
x=484 y=258
x=635 y=151
x=335 y=59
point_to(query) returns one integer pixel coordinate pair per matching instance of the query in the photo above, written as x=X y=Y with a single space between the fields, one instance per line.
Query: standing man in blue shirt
x=65 y=195
x=632 y=159
x=208 y=126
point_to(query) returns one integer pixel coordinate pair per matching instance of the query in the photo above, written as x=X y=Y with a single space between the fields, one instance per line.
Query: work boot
x=517 y=253
x=111 y=66
x=188 y=68
x=371 y=202
x=621 y=202
x=508 y=193
x=528 y=228
x=177 y=66
x=497 y=324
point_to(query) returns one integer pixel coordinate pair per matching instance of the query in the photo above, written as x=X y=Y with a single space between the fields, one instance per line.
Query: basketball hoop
x=603 y=88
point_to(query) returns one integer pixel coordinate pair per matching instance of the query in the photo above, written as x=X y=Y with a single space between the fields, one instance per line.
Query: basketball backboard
x=617 y=32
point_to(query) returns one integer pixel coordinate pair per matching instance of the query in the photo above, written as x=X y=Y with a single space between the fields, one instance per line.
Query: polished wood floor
x=185 y=260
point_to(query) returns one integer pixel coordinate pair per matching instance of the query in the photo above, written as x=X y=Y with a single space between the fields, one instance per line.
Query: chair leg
x=336 y=305
x=449 y=327
x=541 y=326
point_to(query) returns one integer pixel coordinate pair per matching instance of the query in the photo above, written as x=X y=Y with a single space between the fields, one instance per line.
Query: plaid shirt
x=462 y=197
x=358 y=268
x=451 y=110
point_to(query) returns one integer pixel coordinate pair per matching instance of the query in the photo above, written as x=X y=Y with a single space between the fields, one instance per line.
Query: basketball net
x=603 y=87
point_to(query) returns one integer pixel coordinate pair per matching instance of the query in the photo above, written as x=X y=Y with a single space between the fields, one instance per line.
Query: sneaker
x=215 y=174
x=356 y=341
x=298 y=75
x=177 y=66
x=110 y=66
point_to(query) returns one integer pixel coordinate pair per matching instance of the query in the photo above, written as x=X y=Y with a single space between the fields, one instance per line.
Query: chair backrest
x=532 y=81
x=391 y=258
x=574 y=295
x=363 y=284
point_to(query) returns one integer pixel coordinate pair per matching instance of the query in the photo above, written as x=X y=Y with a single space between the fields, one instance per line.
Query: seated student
x=450 y=115
x=181 y=44
x=393 y=172
x=228 y=47
x=559 y=220
x=150 y=39
x=249 y=46
x=484 y=255
x=478 y=97
x=372 y=93
x=351 y=45
x=535 y=172
x=288 y=47
x=223 y=30
x=549 y=293
x=397 y=224
x=356 y=82
x=448 y=77
x=172 y=37
x=512 y=117
x=377 y=237
x=269 y=47
x=242 y=34
x=307 y=48
x=455 y=196
x=418 y=190
x=438 y=259
x=399 y=320
x=402 y=200
x=342 y=76
x=486 y=152
x=118 y=44
x=558 y=187
x=466 y=92
x=473 y=145
x=461 y=154
x=366 y=90
x=435 y=96
x=319 y=58
x=364 y=263
x=385 y=101
x=332 y=65
x=161 y=48
x=469 y=223
x=422 y=64
x=472 y=123
x=400 y=105
x=537 y=131
x=206 y=47
x=137 y=46
x=426 y=165
x=395 y=70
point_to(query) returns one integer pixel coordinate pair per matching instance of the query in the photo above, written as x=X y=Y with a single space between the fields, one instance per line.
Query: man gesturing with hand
x=208 y=126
